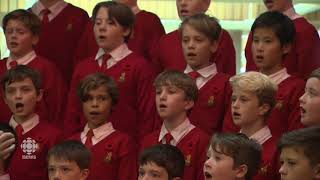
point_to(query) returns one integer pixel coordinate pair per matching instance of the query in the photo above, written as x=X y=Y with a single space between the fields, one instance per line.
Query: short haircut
x=73 y=151
x=306 y=139
x=118 y=12
x=29 y=20
x=20 y=73
x=4 y=127
x=279 y=23
x=315 y=73
x=244 y=151
x=166 y=156
x=94 y=81
x=209 y=26
x=180 y=80
x=259 y=84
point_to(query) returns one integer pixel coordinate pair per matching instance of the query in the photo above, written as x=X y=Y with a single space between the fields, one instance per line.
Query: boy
x=22 y=30
x=232 y=157
x=214 y=89
x=176 y=93
x=273 y=35
x=7 y=146
x=310 y=100
x=163 y=160
x=22 y=90
x=113 y=153
x=142 y=41
x=304 y=56
x=170 y=55
x=300 y=158
x=133 y=75
x=252 y=101
x=69 y=160
x=61 y=28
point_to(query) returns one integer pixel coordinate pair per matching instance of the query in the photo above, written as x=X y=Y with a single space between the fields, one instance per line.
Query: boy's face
x=22 y=97
x=151 y=171
x=277 y=5
x=60 y=169
x=310 y=103
x=171 y=102
x=108 y=32
x=295 y=165
x=219 y=166
x=188 y=8
x=197 y=48
x=19 y=38
x=245 y=108
x=267 y=50
x=97 y=108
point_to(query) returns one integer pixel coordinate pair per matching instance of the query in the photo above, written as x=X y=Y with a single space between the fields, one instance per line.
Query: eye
x=158 y=91
x=141 y=173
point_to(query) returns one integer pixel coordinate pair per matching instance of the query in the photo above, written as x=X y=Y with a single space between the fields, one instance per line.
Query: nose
x=182 y=2
x=18 y=94
x=282 y=170
x=191 y=44
x=301 y=99
x=235 y=103
x=163 y=95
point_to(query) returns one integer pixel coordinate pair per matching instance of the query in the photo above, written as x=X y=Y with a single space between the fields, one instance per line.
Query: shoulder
x=292 y=82
x=302 y=26
x=174 y=35
x=147 y=15
x=150 y=139
x=70 y=7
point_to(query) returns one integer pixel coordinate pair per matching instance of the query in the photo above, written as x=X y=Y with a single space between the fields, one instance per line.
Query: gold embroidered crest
x=264 y=169
x=108 y=157
x=69 y=27
x=122 y=77
x=188 y=160
x=211 y=101
x=279 y=105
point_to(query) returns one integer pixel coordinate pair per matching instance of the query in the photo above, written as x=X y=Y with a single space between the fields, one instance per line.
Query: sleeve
x=148 y=117
x=72 y=119
x=155 y=33
x=250 y=65
x=55 y=90
x=226 y=55
x=307 y=51
x=128 y=167
x=294 y=117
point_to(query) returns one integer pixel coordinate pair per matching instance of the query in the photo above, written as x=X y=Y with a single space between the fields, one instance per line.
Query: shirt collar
x=117 y=54
x=26 y=125
x=279 y=76
x=178 y=133
x=205 y=72
x=23 y=60
x=100 y=131
x=54 y=9
x=262 y=135
x=291 y=13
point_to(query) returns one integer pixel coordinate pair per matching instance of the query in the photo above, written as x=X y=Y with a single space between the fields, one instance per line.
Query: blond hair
x=259 y=84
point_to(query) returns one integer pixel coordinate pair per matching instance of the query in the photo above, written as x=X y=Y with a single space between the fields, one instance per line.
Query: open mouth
x=235 y=115
x=303 y=111
x=184 y=12
x=94 y=113
x=13 y=44
x=19 y=106
x=191 y=54
x=207 y=175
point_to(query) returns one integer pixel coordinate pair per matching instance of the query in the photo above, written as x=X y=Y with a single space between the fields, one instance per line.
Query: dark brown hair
x=118 y=12
x=94 y=81
x=73 y=151
x=30 y=20
x=244 y=151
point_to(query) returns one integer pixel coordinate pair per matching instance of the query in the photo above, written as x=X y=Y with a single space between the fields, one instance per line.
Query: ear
x=286 y=48
x=241 y=171
x=35 y=39
x=263 y=109
x=84 y=174
x=188 y=104
x=126 y=32
x=39 y=96
x=214 y=46
x=316 y=170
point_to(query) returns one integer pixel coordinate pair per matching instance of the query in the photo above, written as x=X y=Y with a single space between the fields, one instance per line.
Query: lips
x=191 y=54
x=184 y=12
x=19 y=106
x=268 y=3
x=236 y=115
x=13 y=44
x=94 y=113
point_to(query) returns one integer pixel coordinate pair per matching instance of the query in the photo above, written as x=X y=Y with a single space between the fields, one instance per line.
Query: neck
x=94 y=126
x=21 y=119
x=48 y=3
x=173 y=123
x=272 y=70
x=250 y=129
x=15 y=56
x=288 y=6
